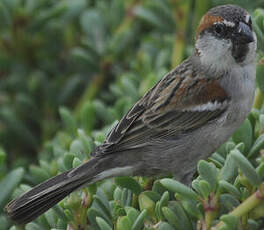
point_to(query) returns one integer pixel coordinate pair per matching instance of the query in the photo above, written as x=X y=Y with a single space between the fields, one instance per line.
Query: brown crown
x=207 y=21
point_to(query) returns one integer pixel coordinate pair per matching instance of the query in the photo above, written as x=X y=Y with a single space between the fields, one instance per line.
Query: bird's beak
x=243 y=33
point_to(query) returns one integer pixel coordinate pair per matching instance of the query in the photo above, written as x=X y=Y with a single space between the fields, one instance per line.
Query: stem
x=180 y=11
x=201 y=7
x=209 y=217
x=210 y=208
x=99 y=79
x=259 y=96
x=95 y=85
x=258 y=99
x=250 y=203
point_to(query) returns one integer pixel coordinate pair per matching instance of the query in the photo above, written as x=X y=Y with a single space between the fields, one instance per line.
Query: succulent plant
x=70 y=70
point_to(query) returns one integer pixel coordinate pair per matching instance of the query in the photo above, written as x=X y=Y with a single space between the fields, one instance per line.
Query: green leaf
x=152 y=195
x=83 y=56
x=259 y=78
x=39 y=173
x=123 y=223
x=158 y=211
x=74 y=8
x=230 y=221
x=190 y=206
x=2 y=157
x=217 y=159
x=158 y=187
x=88 y=116
x=5 y=17
x=165 y=226
x=68 y=159
x=244 y=134
x=4 y=222
x=46 y=15
x=17 y=127
x=8 y=184
x=32 y=226
x=253 y=224
x=164 y=199
x=59 y=212
x=129 y=183
x=104 y=205
x=51 y=218
x=139 y=223
x=171 y=217
x=257 y=146
x=153 y=18
x=181 y=217
x=196 y=186
x=205 y=188
x=102 y=201
x=225 y=186
x=260 y=170
x=117 y=194
x=208 y=172
x=94 y=27
x=126 y=197
x=77 y=148
x=76 y=162
x=241 y=147
x=229 y=146
x=163 y=202
x=68 y=120
x=103 y=224
x=246 y=167
x=132 y=213
x=229 y=171
x=178 y=187
x=92 y=214
x=86 y=141
x=145 y=203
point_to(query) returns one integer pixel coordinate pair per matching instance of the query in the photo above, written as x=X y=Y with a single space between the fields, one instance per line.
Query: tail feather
x=21 y=215
x=42 y=197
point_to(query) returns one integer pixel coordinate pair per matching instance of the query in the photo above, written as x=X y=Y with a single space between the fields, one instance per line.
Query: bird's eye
x=220 y=29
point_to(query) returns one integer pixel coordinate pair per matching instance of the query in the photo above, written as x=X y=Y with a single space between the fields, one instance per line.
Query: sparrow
x=186 y=116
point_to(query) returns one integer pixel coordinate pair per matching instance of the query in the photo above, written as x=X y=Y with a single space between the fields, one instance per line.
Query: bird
x=182 y=119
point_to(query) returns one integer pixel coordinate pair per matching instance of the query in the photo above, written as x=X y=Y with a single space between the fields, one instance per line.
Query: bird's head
x=225 y=38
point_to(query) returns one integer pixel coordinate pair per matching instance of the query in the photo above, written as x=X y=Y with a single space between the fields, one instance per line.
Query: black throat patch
x=239 y=52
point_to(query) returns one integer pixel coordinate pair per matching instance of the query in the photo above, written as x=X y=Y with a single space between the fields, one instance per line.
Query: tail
x=42 y=197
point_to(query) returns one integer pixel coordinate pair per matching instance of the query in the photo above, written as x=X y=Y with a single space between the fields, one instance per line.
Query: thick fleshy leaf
x=229 y=171
x=246 y=167
x=178 y=187
x=244 y=134
x=103 y=225
x=8 y=184
x=129 y=183
x=229 y=188
x=208 y=172
x=257 y=146
x=139 y=223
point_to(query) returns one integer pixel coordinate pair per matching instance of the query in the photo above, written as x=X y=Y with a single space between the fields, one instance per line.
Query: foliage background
x=69 y=70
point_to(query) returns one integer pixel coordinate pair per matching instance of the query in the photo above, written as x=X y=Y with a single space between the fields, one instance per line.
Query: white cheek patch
x=247 y=18
x=214 y=53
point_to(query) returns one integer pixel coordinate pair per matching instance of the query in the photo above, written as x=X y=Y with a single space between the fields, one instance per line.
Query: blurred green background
x=70 y=69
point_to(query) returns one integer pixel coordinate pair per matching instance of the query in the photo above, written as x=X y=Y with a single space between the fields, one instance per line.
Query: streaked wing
x=179 y=103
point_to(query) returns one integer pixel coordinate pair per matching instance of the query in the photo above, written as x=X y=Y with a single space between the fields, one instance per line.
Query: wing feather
x=177 y=104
